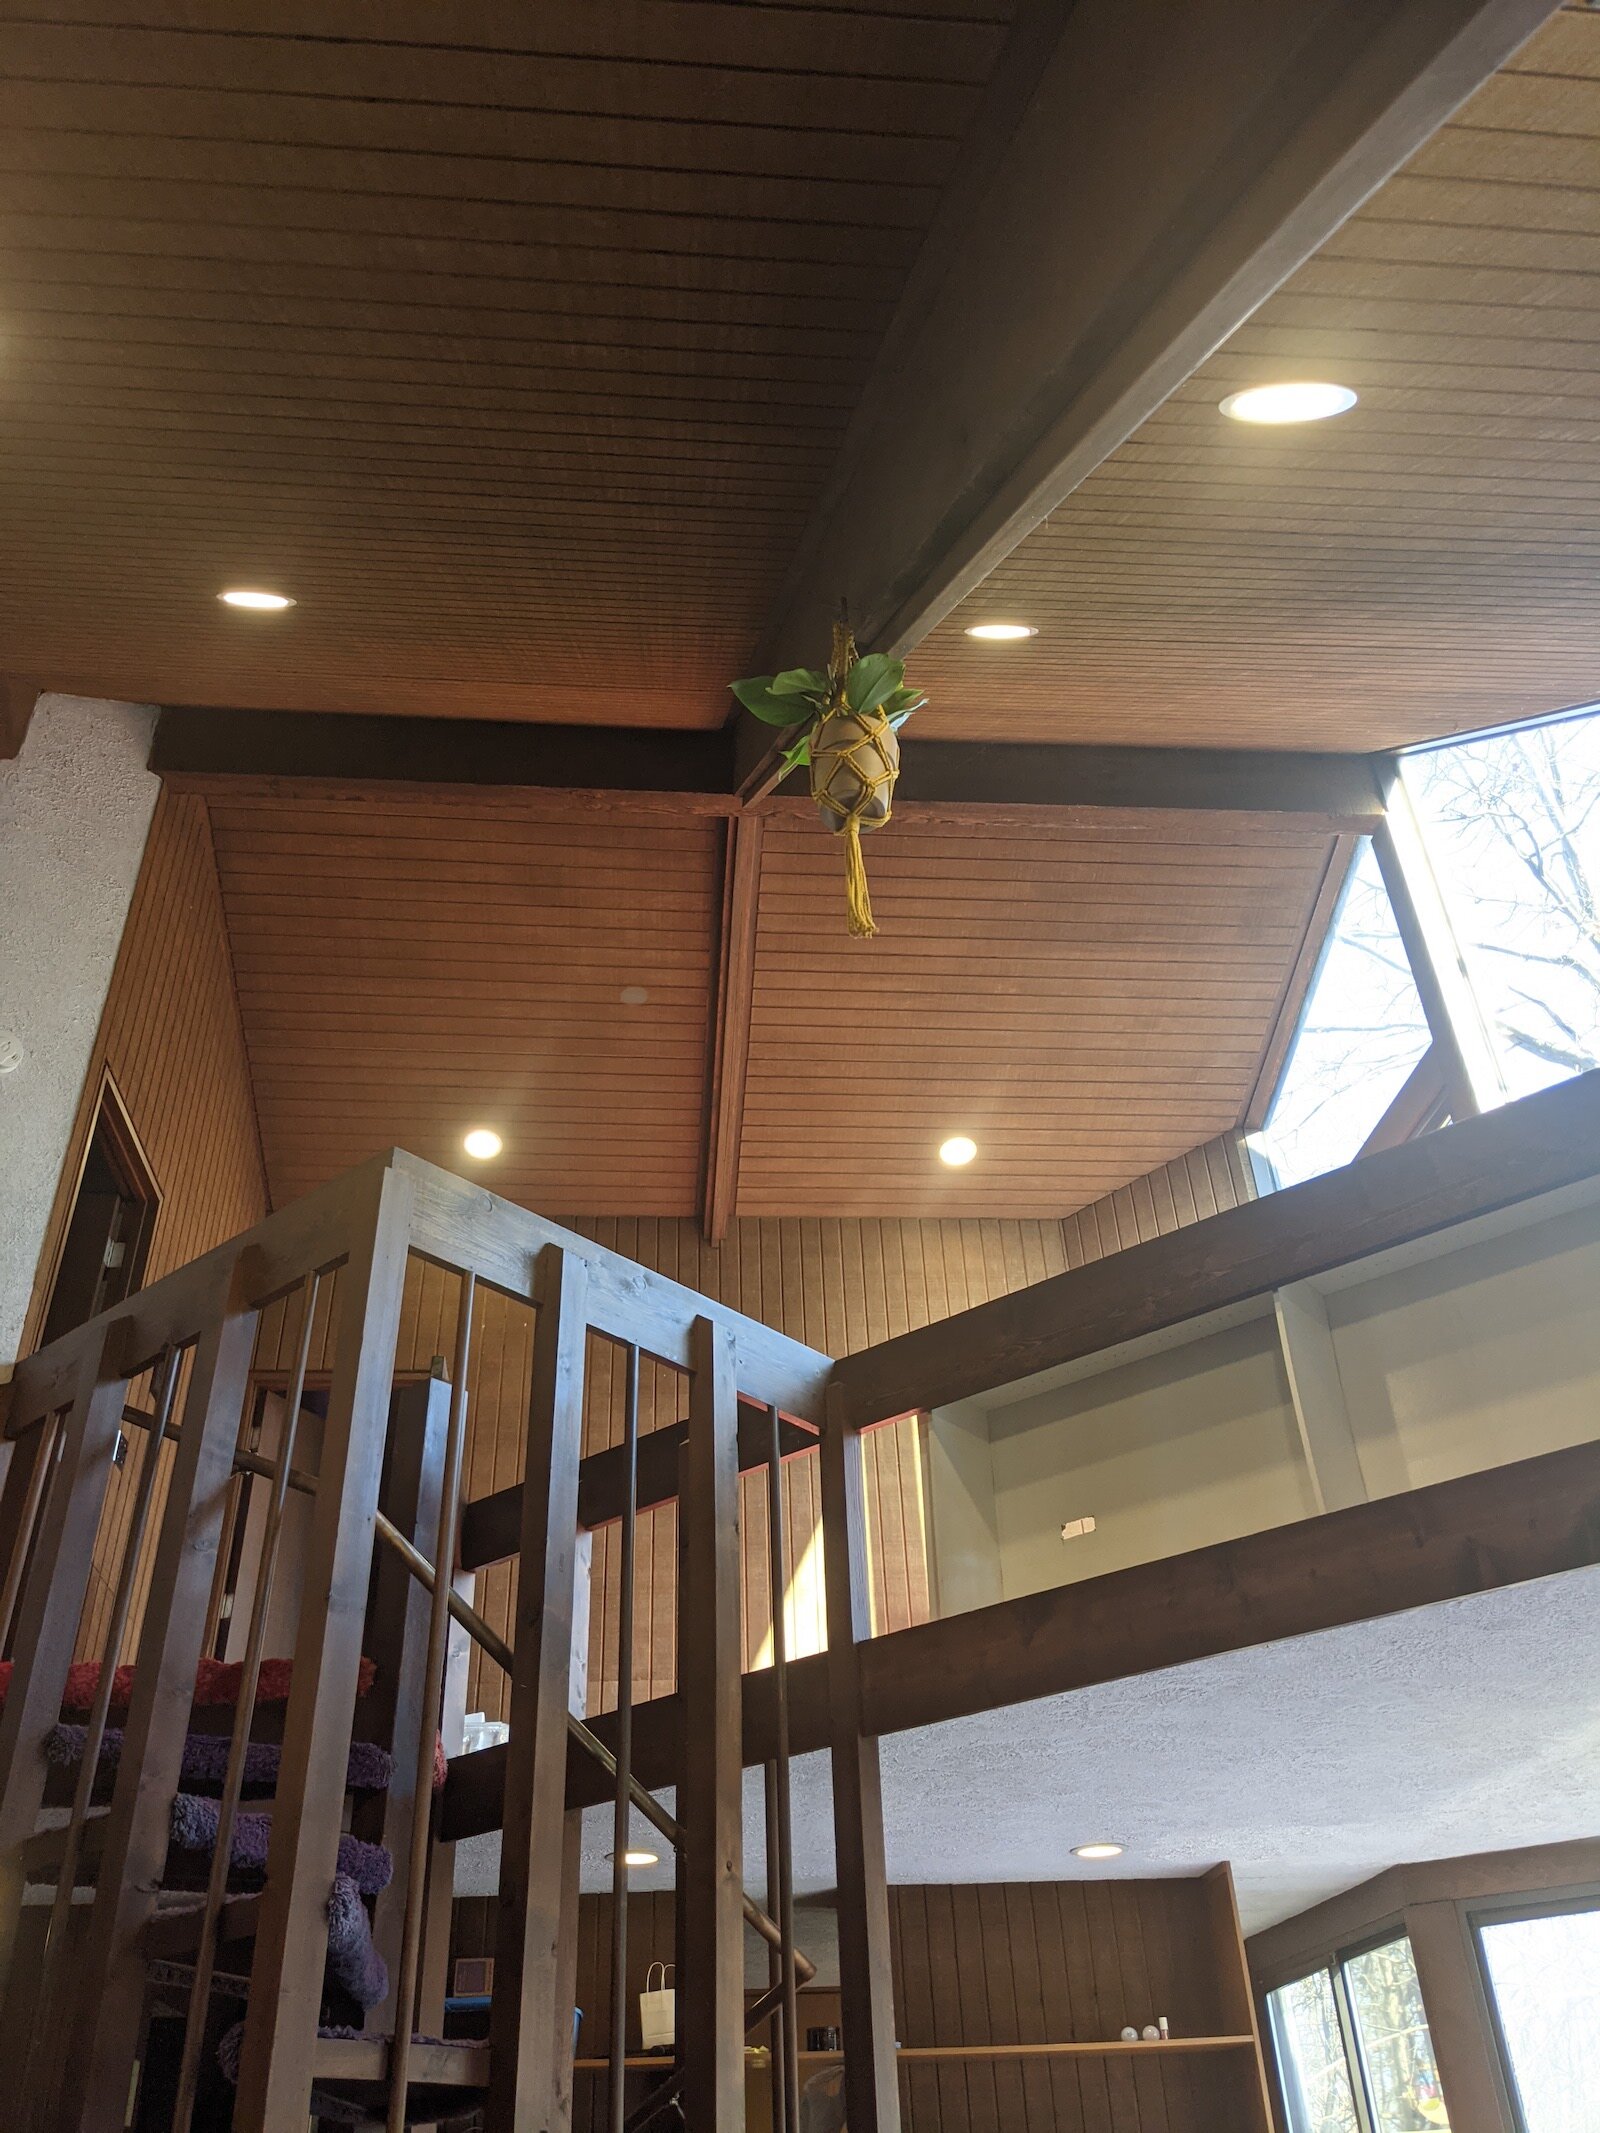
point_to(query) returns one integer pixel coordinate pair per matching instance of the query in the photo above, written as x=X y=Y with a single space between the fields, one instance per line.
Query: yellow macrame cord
x=855 y=759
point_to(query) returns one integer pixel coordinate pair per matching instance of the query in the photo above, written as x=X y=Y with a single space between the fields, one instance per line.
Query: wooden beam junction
x=1165 y=172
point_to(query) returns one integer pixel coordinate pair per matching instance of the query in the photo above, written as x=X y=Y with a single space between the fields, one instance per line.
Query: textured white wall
x=75 y=808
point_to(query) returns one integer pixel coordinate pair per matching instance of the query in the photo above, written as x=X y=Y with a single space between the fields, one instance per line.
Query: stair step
x=42 y=1853
x=364 y=2061
x=174 y=1936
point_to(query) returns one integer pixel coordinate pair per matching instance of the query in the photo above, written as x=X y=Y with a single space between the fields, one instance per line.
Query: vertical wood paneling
x=1201 y=1182
x=169 y=1036
x=1069 y=1962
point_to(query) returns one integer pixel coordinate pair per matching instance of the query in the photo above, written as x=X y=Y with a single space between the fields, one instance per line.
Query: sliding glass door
x=1542 y=1969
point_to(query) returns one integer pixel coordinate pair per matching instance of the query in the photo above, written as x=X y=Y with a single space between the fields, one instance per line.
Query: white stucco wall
x=75 y=809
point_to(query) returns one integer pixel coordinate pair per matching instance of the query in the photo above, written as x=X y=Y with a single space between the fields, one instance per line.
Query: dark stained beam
x=1535 y=1145
x=1171 y=169
x=731 y=1017
x=1532 y=1519
x=1341 y=789
x=696 y=769
x=491 y=1526
x=196 y=742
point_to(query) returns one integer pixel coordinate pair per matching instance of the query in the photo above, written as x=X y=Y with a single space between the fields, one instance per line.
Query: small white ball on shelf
x=1152 y=2035
x=1130 y=2036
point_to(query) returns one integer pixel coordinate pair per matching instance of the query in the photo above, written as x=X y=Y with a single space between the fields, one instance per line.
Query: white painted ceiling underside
x=1311 y=1764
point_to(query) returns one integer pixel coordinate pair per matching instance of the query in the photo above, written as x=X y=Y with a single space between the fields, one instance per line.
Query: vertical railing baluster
x=423 y=1805
x=35 y=2095
x=790 y=2037
x=621 y=1812
x=775 y=1993
x=243 y=1721
x=33 y=1458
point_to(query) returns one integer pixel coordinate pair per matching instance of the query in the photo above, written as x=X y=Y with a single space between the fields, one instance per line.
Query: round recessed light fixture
x=1304 y=400
x=483 y=1144
x=633 y=996
x=957 y=1151
x=1101 y=1850
x=637 y=1858
x=256 y=601
x=1001 y=632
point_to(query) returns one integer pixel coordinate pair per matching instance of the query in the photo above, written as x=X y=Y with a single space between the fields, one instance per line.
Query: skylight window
x=1361 y=1033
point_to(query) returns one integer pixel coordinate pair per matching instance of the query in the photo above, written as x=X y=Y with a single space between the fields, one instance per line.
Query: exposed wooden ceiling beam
x=732 y=1013
x=1533 y=1518
x=1172 y=167
x=696 y=770
x=193 y=740
x=1539 y=1144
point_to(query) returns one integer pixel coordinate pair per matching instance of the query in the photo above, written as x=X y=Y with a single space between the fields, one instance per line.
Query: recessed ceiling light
x=1301 y=401
x=633 y=1858
x=634 y=996
x=957 y=1150
x=1097 y=1851
x=1001 y=632
x=483 y=1143
x=260 y=603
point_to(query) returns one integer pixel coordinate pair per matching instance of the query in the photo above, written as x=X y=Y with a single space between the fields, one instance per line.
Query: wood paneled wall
x=1007 y=1963
x=170 y=1038
x=1203 y=1182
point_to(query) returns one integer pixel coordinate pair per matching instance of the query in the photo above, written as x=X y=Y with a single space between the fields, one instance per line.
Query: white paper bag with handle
x=658 y=2025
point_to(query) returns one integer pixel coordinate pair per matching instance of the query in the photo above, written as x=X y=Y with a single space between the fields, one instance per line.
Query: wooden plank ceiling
x=1085 y=1002
x=513 y=342
x=412 y=967
x=1419 y=566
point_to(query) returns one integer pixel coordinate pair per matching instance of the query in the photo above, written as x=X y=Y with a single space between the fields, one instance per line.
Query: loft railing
x=378 y=1478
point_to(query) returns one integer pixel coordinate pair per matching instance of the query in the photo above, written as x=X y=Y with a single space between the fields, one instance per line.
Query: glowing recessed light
x=632 y=1858
x=1097 y=1851
x=634 y=996
x=1304 y=400
x=1001 y=632
x=259 y=603
x=957 y=1151
x=482 y=1143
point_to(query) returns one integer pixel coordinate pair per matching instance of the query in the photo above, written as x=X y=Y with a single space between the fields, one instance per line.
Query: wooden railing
x=179 y=1359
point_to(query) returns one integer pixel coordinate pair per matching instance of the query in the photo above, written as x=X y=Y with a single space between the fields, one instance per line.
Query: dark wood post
x=396 y=1641
x=286 y=1986
x=109 y=1972
x=710 y=1984
x=872 y=2090
x=524 y=2080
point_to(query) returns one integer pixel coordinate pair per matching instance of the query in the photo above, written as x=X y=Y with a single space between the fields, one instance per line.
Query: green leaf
x=800 y=681
x=898 y=718
x=799 y=756
x=757 y=696
x=872 y=679
x=905 y=699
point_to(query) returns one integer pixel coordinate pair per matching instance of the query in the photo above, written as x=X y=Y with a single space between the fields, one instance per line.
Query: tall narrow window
x=1391 y=2030
x=1544 y=1979
x=107 y=1238
x=1313 y=2069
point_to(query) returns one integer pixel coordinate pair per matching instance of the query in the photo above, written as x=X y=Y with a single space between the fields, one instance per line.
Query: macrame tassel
x=855 y=882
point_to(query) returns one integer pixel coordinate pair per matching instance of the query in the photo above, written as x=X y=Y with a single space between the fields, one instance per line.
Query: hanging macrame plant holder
x=852 y=712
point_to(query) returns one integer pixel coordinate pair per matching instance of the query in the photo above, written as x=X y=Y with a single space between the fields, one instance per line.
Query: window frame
x=1511 y=1912
x=1333 y=1968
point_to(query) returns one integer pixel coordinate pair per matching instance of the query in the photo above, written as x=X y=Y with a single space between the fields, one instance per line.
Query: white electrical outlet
x=1076 y=1528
